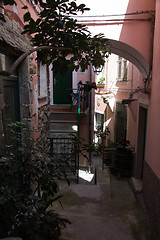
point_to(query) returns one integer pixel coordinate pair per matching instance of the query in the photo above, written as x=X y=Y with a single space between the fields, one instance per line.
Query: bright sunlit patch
x=74 y=127
x=86 y=175
x=107 y=122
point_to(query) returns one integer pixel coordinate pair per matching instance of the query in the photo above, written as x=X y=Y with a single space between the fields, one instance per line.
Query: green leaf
x=27 y=17
x=82 y=5
x=73 y=4
x=32 y=26
x=25 y=7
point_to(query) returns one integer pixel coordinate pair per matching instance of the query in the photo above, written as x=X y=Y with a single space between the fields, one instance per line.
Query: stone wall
x=24 y=91
x=43 y=118
x=43 y=128
x=10 y=36
x=33 y=111
x=1 y=123
x=13 y=44
x=151 y=193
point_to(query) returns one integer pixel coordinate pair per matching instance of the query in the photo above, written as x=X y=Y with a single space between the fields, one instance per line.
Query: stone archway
x=131 y=54
x=117 y=47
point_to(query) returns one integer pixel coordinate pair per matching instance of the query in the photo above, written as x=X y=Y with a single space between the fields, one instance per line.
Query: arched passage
x=131 y=54
x=117 y=47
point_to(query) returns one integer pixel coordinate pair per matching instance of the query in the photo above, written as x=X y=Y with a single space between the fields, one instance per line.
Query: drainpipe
x=146 y=81
x=151 y=47
x=79 y=112
x=90 y=119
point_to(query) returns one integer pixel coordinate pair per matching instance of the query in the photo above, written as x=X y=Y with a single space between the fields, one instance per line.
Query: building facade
x=129 y=100
x=126 y=101
x=33 y=94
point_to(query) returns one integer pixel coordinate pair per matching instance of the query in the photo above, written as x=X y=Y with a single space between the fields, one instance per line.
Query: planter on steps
x=123 y=161
x=107 y=156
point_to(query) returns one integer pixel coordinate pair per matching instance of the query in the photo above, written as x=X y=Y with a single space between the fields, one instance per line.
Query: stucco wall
x=151 y=194
x=153 y=136
x=132 y=33
x=151 y=176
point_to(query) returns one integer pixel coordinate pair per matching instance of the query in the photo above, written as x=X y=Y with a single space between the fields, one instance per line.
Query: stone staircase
x=63 y=125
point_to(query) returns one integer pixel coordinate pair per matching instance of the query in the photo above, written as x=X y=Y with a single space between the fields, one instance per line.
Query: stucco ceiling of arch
x=131 y=54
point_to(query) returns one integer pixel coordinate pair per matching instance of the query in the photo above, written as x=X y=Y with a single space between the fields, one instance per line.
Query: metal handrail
x=84 y=94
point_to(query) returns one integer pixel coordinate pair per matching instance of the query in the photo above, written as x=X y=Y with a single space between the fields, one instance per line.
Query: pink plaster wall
x=83 y=76
x=21 y=11
x=153 y=136
x=100 y=106
x=138 y=34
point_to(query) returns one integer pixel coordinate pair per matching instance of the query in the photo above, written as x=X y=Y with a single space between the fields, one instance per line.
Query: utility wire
x=117 y=20
x=116 y=15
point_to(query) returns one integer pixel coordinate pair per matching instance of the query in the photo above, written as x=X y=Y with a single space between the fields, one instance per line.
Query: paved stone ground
x=105 y=211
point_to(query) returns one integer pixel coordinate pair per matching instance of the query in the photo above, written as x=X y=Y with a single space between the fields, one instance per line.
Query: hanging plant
x=89 y=85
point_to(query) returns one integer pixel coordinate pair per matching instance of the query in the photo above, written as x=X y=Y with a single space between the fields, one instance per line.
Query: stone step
x=11 y=238
x=64 y=121
x=67 y=116
x=63 y=126
x=61 y=133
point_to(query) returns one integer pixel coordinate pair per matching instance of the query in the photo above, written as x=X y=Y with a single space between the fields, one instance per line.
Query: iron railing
x=63 y=154
x=83 y=95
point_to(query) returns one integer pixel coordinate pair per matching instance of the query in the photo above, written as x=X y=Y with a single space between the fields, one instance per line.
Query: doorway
x=120 y=122
x=11 y=111
x=141 y=142
x=62 y=88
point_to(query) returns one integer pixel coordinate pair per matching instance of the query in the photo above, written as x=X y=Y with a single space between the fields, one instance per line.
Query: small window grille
x=122 y=71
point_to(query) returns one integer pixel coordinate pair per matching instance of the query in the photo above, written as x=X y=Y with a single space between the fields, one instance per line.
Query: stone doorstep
x=136 y=184
x=11 y=238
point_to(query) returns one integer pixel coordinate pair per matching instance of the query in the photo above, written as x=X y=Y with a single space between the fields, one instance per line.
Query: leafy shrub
x=27 y=188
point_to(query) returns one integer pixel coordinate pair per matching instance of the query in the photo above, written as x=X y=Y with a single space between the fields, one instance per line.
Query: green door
x=62 y=88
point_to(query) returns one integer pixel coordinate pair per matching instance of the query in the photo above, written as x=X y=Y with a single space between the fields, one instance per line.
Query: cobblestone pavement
x=105 y=211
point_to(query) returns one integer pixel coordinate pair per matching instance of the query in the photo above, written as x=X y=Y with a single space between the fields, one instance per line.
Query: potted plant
x=101 y=80
x=123 y=157
x=89 y=85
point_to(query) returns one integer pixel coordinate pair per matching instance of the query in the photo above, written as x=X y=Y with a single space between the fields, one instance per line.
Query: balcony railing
x=83 y=95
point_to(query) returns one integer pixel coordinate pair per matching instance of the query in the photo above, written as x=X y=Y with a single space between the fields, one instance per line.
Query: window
x=101 y=77
x=122 y=71
x=42 y=80
x=99 y=120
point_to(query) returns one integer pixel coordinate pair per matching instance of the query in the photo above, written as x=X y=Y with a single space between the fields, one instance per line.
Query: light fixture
x=97 y=70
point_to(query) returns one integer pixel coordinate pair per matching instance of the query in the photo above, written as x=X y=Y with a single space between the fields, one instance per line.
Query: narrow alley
x=105 y=211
